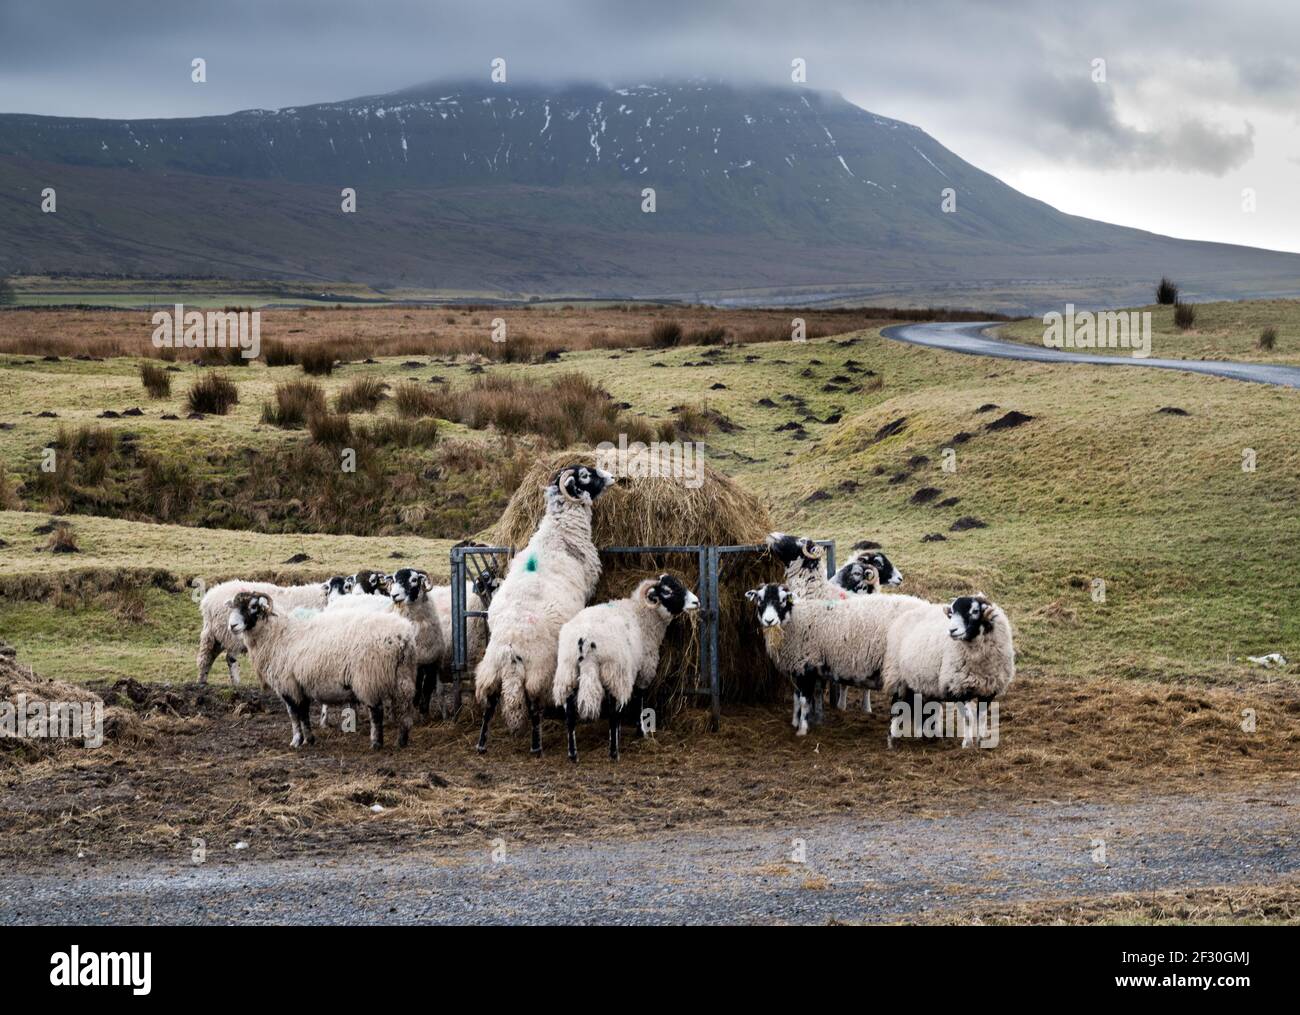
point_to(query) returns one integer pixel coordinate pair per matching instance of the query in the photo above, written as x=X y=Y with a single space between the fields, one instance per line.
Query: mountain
x=761 y=194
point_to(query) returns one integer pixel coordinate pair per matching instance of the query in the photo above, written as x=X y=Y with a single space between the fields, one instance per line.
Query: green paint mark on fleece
x=531 y=563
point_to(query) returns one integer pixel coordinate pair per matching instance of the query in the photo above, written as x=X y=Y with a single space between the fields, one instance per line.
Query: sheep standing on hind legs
x=334 y=657
x=548 y=582
x=609 y=651
x=961 y=652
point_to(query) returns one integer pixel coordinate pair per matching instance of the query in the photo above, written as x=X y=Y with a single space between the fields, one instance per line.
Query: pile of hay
x=656 y=511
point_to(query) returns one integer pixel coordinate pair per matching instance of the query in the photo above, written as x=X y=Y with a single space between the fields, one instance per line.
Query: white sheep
x=961 y=652
x=609 y=651
x=335 y=658
x=548 y=582
x=806 y=578
x=216 y=635
x=409 y=590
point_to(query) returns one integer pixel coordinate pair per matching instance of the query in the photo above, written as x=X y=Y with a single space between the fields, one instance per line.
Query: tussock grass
x=213 y=394
x=157 y=381
x=361 y=395
x=294 y=402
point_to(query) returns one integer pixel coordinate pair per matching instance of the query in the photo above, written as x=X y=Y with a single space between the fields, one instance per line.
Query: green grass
x=1228 y=330
x=1199 y=557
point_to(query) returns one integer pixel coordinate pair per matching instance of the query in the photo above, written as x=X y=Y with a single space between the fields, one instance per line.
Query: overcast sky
x=1200 y=102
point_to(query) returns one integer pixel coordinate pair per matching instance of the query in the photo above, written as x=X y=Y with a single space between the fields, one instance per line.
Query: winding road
x=971 y=338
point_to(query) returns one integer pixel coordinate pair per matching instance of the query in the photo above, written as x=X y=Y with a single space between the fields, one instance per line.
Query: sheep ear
x=230 y=604
x=947 y=611
x=652 y=593
x=428 y=585
x=752 y=595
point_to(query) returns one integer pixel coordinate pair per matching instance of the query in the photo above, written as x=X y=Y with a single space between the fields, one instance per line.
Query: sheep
x=216 y=634
x=857 y=576
x=610 y=651
x=962 y=652
x=409 y=590
x=548 y=582
x=334 y=658
x=366 y=583
x=477 y=595
x=806 y=578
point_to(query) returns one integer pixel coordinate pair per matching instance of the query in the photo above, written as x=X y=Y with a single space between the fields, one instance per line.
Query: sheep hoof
x=481 y=748
x=802 y=731
x=573 y=758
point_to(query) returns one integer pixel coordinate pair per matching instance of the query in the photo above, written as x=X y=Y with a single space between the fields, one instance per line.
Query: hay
x=657 y=511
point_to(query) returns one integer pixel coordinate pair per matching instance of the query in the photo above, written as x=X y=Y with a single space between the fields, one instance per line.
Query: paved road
x=970 y=338
x=855 y=869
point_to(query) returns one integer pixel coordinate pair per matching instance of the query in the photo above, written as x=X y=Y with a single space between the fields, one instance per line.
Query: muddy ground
x=1166 y=772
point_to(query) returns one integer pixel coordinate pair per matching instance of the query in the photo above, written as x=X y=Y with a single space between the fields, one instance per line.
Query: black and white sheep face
x=794 y=551
x=408 y=585
x=579 y=482
x=969 y=617
x=335 y=587
x=486 y=583
x=365 y=583
x=246 y=609
x=774 y=604
x=857 y=576
x=889 y=575
x=671 y=596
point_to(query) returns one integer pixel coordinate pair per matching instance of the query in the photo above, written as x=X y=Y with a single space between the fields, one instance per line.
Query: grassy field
x=1227 y=330
x=1029 y=482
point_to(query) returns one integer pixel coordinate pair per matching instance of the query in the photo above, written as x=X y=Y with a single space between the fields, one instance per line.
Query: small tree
x=1166 y=293
x=1184 y=315
x=7 y=296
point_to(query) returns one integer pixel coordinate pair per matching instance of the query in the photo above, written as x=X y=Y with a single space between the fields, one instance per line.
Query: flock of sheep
x=383 y=641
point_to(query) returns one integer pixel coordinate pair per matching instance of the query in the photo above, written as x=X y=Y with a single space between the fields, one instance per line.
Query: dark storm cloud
x=1183 y=77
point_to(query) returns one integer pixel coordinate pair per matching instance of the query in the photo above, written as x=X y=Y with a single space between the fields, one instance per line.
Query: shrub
x=1268 y=338
x=295 y=401
x=279 y=354
x=666 y=334
x=413 y=400
x=317 y=360
x=7 y=296
x=156 y=380
x=62 y=539
x=333 y=429
x=714 y=335
x=362 y=395
x=169 y=486
x=1184 y=315
x=214 y=394
x=403 y=433
x=1166 y=293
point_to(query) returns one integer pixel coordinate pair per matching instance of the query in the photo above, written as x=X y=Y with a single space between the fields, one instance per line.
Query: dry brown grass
x=294 y=402
x=157 y=381
x=354 y=333
x=226 y=773
x=212 y=394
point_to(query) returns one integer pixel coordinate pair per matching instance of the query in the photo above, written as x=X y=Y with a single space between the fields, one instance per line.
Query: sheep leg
x=377 y=726
x=209 y=649
x=293 y=721
x=968 y=709
x=818 y=709
x=571 y=725
x=304 y=720
x=613 y=728
x=425 y=679
x=638 y=706
x=324 y=716
x=488 y=710
x=232 y=667
x=866 y=699
x=535 y=716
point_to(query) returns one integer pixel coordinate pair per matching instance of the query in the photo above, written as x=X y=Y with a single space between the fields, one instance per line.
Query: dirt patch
x=221 y=769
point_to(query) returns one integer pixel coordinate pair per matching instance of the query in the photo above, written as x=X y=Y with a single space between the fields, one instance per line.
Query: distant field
x=1227 y=330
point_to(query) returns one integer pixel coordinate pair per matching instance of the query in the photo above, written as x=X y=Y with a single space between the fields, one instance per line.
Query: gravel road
x=970 y=338
x=854 y=869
